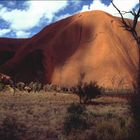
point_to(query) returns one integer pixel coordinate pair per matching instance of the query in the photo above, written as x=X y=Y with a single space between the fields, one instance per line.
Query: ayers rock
x=92 y=43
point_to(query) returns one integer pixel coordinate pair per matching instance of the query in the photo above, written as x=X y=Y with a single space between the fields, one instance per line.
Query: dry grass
x=44 y=113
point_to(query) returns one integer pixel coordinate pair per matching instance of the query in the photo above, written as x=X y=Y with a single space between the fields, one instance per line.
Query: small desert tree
x=88 y=91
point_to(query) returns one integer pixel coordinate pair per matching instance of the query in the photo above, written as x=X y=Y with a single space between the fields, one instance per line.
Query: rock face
x=93 y=44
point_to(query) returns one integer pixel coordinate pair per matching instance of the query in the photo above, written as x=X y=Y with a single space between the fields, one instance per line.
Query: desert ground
x=45 y=116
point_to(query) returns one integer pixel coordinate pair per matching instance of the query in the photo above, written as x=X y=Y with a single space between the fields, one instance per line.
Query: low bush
x=8 y=88
x=75 y=118
x=87 y=91
x=35 y=86
x=46 y=87
x=11 y=129
x=20 y=86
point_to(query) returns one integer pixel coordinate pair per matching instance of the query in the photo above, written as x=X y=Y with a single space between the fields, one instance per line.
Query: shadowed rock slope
x=91 y=43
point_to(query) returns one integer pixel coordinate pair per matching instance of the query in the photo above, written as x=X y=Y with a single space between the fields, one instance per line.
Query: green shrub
x=76 y=118
x=65 y=89
x=76 y=109
x=35 y=86
x=31 y=85
x=20 y=86
x=87 y=91
x=46 y=87
x=53 y=87
x=11 y=129
x=50 y=87
x=58 y=89
x=8 y=88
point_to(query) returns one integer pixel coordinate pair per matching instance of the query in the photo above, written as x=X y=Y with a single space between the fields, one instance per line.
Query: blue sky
x=24 y=18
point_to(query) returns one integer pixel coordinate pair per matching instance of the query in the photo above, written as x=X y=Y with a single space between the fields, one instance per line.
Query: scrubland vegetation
x=49 y=112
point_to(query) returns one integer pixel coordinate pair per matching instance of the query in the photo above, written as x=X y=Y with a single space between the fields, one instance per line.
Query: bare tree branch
x=127 y=25
x=129 y=12
x=134 y=12
x=132 y=29
x=136 y=19
x=123 y=20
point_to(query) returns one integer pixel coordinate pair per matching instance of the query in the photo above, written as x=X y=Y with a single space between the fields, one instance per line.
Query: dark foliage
x=87 y=91
x=135 y=108
x=11 y=129
x=75 y=119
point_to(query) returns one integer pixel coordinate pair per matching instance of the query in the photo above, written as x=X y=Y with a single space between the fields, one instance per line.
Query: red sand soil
x=93 y=43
